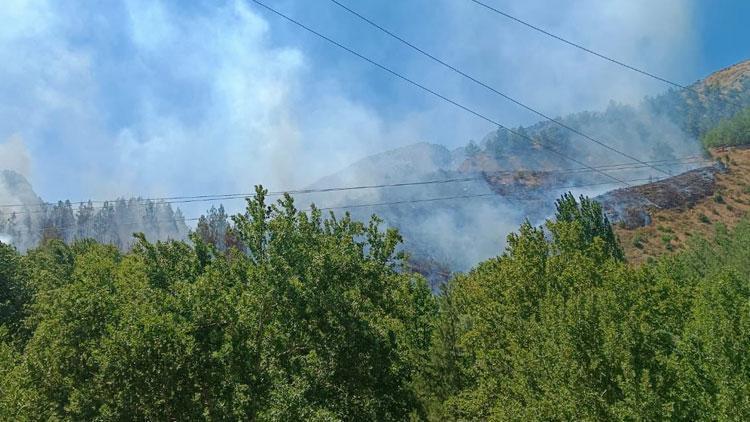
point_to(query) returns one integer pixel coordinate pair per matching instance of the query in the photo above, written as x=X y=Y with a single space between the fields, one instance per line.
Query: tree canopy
x=310 y=317
x=729 y=132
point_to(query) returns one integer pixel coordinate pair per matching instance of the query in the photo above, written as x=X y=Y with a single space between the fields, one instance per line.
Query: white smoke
x=194 y=99
x=191 y=102
x=4 y=238
x=14 y=156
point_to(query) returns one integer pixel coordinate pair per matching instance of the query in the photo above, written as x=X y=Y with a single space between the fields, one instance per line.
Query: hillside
x=525 y=178
x=732 y=78
x=720 y=199
x=26 y=220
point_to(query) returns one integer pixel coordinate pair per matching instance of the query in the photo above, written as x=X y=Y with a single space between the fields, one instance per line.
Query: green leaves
x=729 y=132
x=314 y=322
x=314 y=318
x=560 y=328
x=592 y=223
x=14 y=293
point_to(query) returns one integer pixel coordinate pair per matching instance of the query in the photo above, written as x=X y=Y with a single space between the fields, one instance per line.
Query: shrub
x=638 y=240
x=667 y=238
x=732 y=131
x=665 y=229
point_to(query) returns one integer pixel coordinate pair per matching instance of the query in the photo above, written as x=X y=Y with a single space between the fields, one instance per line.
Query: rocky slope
x=631 y=207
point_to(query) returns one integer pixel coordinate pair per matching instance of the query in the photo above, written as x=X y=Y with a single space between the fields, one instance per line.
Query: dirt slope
x=727 y=201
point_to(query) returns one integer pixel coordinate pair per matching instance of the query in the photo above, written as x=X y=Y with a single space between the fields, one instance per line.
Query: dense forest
x=26 y=220
x=729 y=132
x=663 y=127
x=112 y=222
x=278 y=314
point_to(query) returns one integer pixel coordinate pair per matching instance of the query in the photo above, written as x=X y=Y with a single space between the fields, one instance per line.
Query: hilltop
x=732 y=78
x=16 y=189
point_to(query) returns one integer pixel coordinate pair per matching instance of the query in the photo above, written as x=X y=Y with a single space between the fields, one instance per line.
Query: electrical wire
x=490 y=88
x=236 y=196
x=428 y=90
x=599 y=55
x=378 y=204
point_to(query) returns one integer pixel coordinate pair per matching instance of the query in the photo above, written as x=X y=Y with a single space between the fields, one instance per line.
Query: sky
x=176 y=97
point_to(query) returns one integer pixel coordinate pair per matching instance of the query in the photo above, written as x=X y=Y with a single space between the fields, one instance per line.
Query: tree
x=215 y=229
x=730 y=131
x=14 y=293
x=593 y=223
x=472 y=150
x=329 y=291
x=316 y=321
x=317 y=318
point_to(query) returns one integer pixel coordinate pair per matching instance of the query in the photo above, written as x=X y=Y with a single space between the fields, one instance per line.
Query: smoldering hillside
x=460 y=203
x=506 y=179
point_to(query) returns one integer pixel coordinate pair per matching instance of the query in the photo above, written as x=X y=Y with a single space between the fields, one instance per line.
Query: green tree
x=472 y=149
x=14 y=293
x=317 y=321
x=730 y=131
x=593 y=223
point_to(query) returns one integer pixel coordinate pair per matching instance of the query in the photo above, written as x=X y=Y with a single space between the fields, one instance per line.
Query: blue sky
x=725 y=31
x=167 y=97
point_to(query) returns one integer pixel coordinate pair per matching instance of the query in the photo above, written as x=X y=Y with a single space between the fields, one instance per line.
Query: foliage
x=557 y=329
x=314 y=322
x=472 y=149
x=730 y=131
x=592 y=222
x=215 y=229
x=313 y=318
x=13 y=291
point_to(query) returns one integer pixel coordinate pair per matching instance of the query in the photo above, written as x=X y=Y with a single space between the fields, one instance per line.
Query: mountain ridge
x=524 y=177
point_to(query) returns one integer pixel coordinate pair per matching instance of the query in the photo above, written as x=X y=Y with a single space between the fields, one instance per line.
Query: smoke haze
x=159 y=97
x=164 y=98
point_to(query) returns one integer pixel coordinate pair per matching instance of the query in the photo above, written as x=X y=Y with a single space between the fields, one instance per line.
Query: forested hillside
x=26 y=220
x=524 y=173
x=689 y=204
x=663 y=127
x=316 y=319
x=500 y=182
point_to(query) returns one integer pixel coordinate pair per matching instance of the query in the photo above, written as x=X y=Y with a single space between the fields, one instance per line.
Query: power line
x=590 y=51
x=487 y=86
x=426 y=89
x=479 y=195
x=377 y=204
x=213 y=197
x=227 y=197
x=233 y=196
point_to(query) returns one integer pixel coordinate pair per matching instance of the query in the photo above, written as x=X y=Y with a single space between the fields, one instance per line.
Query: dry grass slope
x=671 y=228
x=728 y=78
